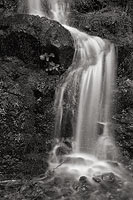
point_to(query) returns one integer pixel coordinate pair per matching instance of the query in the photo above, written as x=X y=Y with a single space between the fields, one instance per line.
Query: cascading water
x=88 y=86
x=35 y=7
x=59 y=10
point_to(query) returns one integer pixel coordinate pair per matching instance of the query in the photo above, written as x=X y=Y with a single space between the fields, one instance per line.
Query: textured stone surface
x=26 y=113
x=85 y=6
x=110 y=23
x=29 y=37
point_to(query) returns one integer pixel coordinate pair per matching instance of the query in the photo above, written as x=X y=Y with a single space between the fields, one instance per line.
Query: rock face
x=26 y=110
x=34 y=52
x=109 y=23
x=29 y=37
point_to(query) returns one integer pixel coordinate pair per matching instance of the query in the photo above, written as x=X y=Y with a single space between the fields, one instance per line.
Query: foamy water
x=80 y=164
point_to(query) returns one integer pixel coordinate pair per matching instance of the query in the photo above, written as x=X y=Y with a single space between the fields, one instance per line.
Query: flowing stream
x=88 y=86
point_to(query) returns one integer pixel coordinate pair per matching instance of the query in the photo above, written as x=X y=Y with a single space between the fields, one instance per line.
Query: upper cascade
x=54 y=9
x=59 y=10
x=35 y=7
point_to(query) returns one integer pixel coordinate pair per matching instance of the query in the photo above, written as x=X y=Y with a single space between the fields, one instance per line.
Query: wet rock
x=108 y=182
x=62 y=150
x=84 y=184
x=97 y=179
x=108 y=177
x=83 y=180
x=31 y=37
x=85 y=188
x=66 y=192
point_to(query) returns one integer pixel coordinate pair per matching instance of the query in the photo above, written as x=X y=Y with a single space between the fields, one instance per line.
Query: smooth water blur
x=88 y=86
x=35 y=7
x=59 y=10
x=80 y=164
x=54 y=9
x=93 y=69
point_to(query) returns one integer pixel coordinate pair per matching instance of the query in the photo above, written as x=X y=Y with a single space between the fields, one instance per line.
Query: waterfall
x=35 y=7
x=93 y=70
x=54 y=9
x=88 y=87
x=59 y=10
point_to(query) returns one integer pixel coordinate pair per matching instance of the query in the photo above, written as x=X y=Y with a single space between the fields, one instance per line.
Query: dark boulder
x=38 y=41
x=26 y=115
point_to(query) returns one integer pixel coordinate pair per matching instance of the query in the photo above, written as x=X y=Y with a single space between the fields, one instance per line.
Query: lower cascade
x=83 y=102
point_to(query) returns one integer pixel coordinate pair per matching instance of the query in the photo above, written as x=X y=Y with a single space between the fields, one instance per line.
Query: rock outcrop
x=36 y=40
x=26 y=112
x=34 y=52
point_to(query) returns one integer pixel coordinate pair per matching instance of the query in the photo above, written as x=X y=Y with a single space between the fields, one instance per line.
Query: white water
x=35 y=7
x=59 y=10
x=95 y=62
x=88 y=86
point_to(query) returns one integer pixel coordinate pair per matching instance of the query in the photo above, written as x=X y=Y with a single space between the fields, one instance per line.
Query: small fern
x=51 y=65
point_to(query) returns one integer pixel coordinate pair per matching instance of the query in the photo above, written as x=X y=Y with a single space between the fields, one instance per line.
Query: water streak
x=35 y=7
x=87 y=94
x=59 y=10
x=96 y=60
